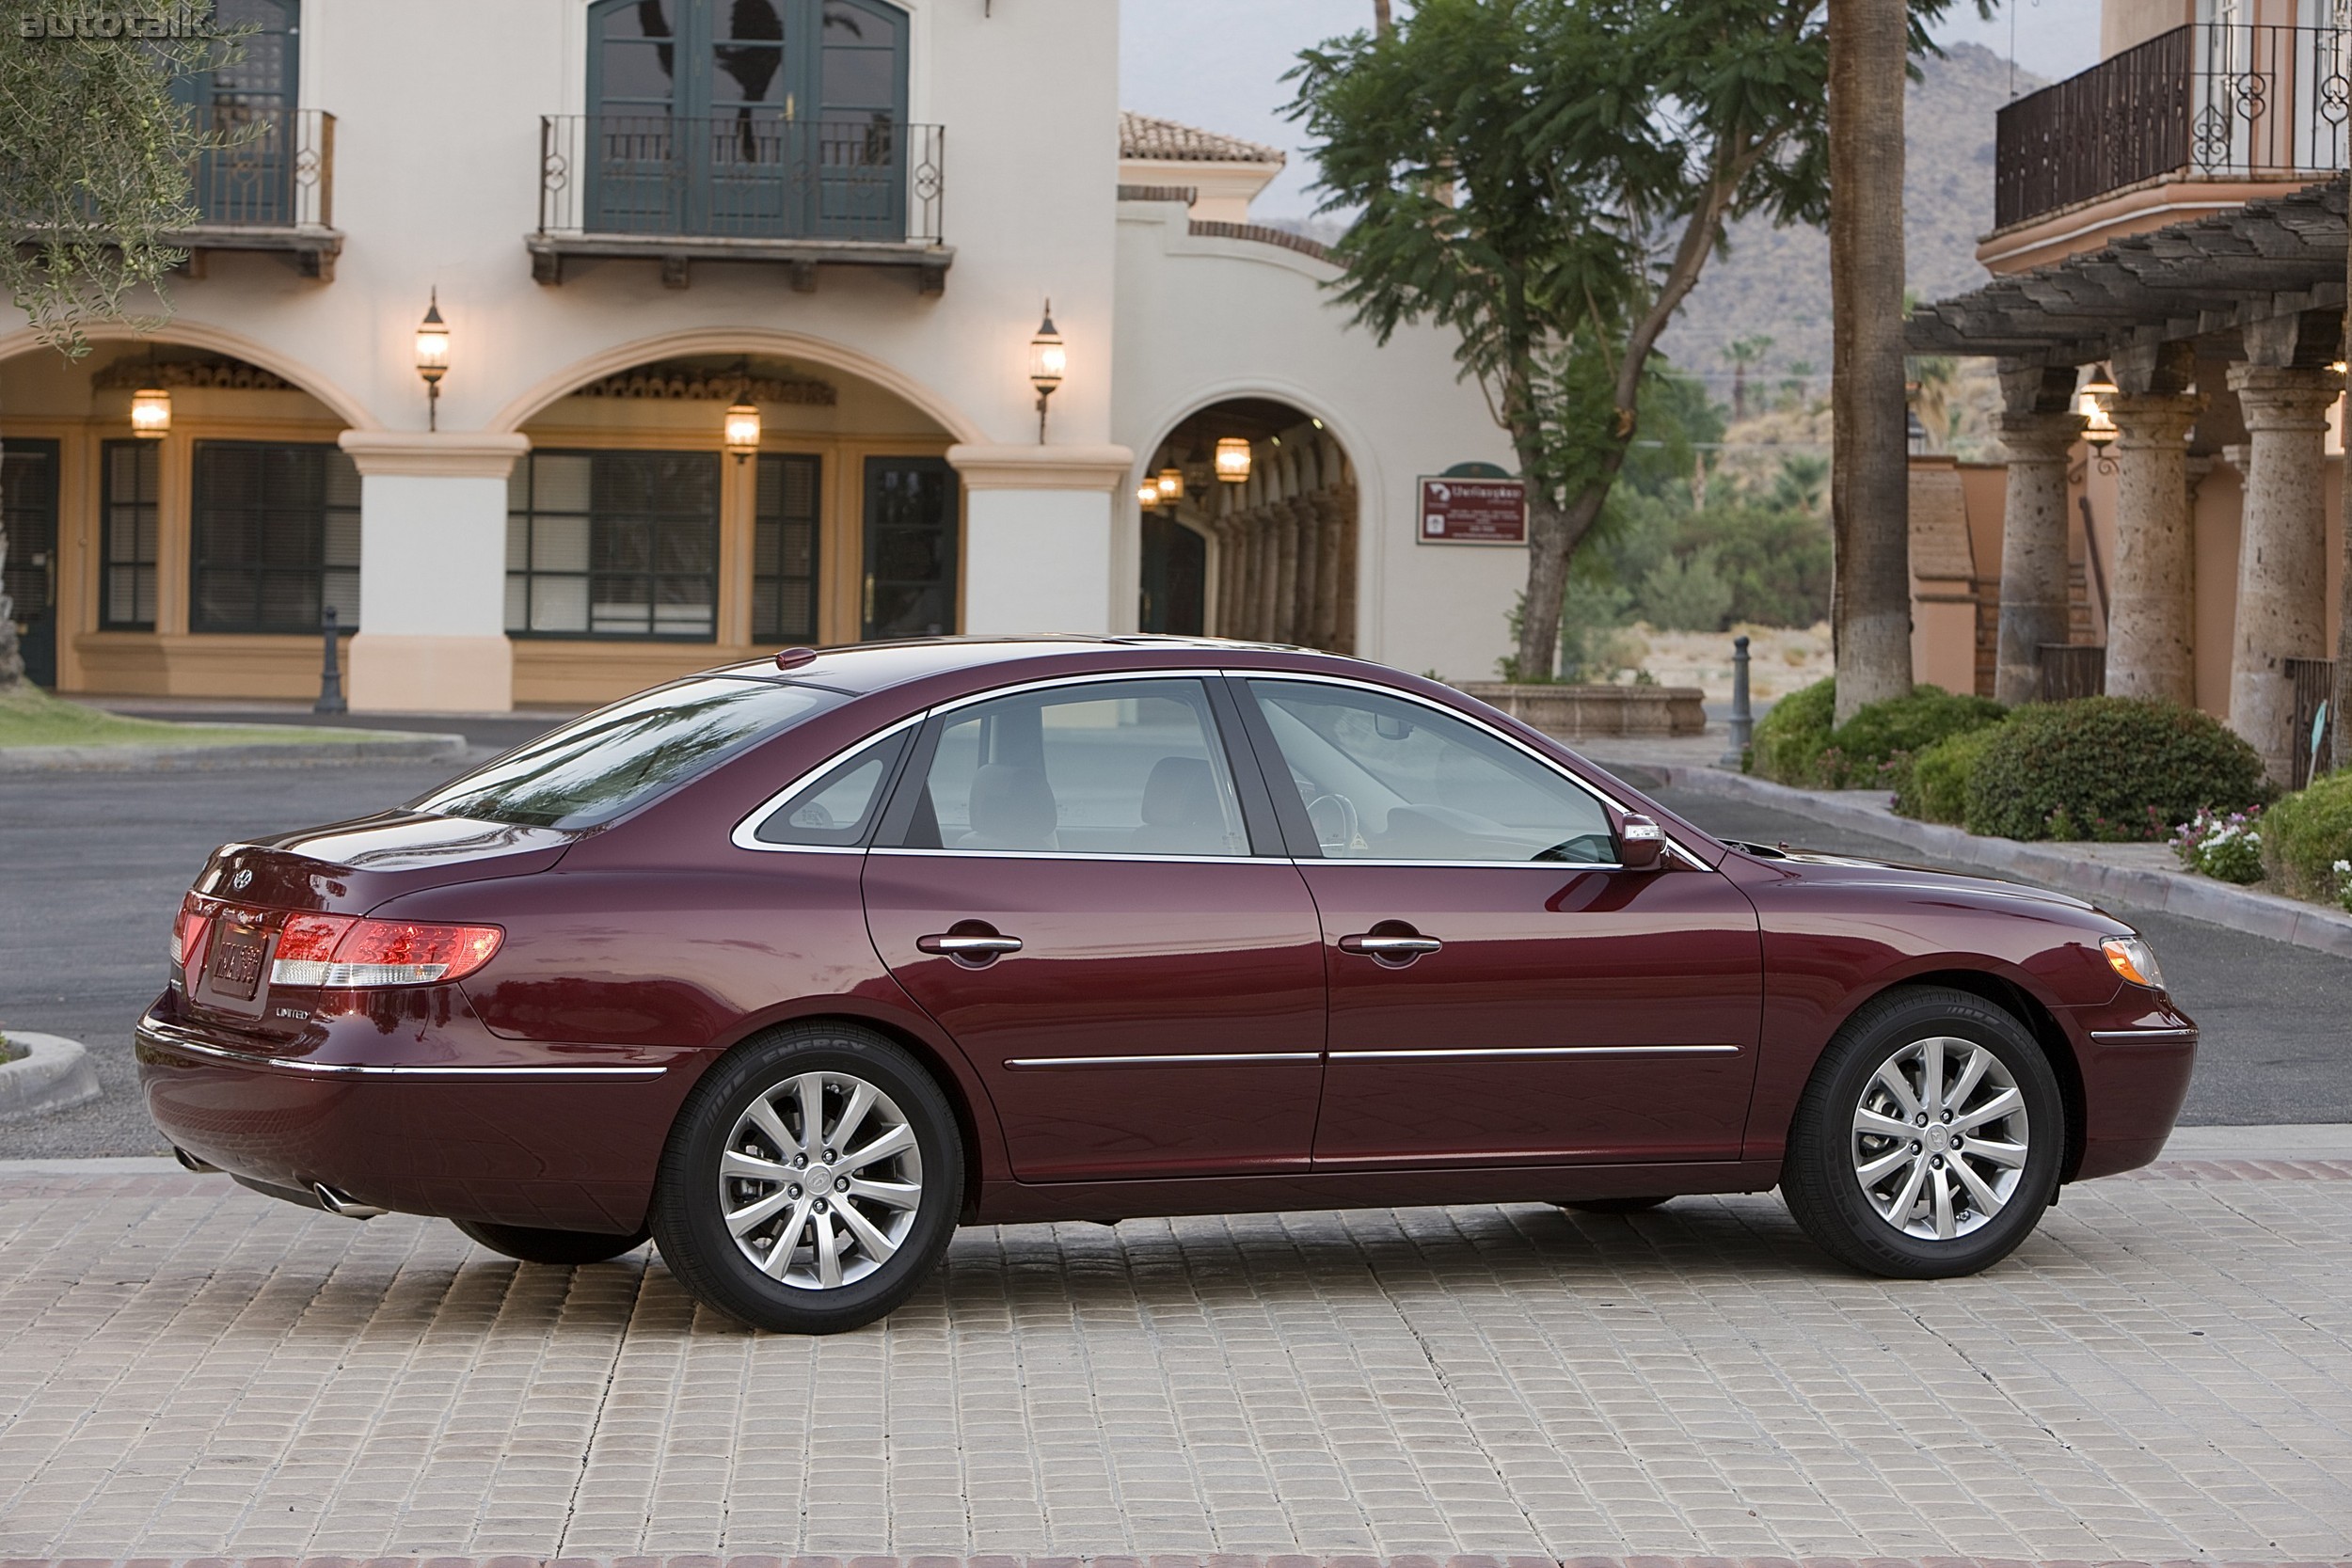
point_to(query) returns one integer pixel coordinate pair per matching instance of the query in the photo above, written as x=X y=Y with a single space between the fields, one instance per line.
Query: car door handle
x=1390 y=947
x=969 y=949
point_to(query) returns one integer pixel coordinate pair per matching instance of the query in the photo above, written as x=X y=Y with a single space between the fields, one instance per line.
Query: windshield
x=603 y=763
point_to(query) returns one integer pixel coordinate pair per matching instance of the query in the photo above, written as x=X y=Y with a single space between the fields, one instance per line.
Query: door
x=911 y=525
x=250 y=102
x=1500 y=993
x=760 y=118
x=1066 y=882
x=1175 y=578
x=28 y=501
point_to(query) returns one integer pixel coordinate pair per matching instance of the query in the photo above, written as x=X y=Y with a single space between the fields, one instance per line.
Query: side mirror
x=1640 y=843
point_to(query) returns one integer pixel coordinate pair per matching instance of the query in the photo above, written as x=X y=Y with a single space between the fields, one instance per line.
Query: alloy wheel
x=820 y=1180
x=1940 y=1138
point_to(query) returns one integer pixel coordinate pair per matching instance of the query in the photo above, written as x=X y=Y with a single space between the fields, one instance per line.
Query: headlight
x=2134 y=960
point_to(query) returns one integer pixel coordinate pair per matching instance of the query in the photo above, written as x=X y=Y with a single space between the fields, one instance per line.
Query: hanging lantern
x=2090 y=402
x=742 y=429
x=1171 y=483
x=151 y=413
x=1148 y=495
x=1232 y=459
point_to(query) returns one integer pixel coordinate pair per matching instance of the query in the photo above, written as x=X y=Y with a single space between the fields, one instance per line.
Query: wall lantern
x=1148 y=495
x=1048 y=361
x=742 y=428
x=151 y=413
x=2090 y=402
x=433 y=359
x=1170 y=484
x=1232 y=459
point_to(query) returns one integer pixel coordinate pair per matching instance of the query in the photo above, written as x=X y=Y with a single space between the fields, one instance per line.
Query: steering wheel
x=1338 y=827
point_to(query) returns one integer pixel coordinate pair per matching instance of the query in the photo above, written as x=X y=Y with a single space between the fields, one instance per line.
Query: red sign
x=1472 y=511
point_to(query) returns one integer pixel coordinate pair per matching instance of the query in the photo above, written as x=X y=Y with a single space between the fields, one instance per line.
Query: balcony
x=798 y=194
x=270 y=189
x=2230 y=103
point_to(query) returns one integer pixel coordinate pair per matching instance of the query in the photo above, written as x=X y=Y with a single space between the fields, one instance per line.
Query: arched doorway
x=1265 y=550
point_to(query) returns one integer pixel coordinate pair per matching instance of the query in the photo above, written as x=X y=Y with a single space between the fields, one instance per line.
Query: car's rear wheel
x=528 y=1244
x=1611 y=1205
x=1928 y=1141
x=812 y=1180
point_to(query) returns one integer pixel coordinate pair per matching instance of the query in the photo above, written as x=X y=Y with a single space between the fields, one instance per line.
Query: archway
x=1263 y=550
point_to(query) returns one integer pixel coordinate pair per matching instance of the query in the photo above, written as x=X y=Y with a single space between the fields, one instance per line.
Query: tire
x=565 y=1248
x=808 y=1263
x=1846 y=1173
x=1611 y=1205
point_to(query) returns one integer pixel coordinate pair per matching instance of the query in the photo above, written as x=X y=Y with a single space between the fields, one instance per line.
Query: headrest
x=1179 y=794
x=1012 y=807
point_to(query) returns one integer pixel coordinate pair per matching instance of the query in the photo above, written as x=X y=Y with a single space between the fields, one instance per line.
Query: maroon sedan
x=797 y=965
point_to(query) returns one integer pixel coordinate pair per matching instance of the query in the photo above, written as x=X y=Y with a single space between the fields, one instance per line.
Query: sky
x=1218 y=63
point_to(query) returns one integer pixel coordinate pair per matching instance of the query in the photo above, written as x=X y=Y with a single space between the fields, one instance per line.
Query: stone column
x=1284 y=522
x=2151 y=640
x=1038 y=525
x=2034 y=531
x=2282 y=552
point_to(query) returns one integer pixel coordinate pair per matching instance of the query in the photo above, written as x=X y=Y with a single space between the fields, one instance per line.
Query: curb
x=397 y=747
x=2260 y=915
x=58 y=1076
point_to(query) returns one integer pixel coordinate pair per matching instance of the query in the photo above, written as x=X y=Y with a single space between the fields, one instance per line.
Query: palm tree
x=1869 y=478
x=1743 y=352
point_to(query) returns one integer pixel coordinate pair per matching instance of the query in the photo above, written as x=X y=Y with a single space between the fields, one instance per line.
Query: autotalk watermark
x=184 y=20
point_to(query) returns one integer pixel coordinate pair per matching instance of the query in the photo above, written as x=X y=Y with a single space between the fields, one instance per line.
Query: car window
x=839 y=807
x=1385 y=779
x=1104 y=768
x=603 y=763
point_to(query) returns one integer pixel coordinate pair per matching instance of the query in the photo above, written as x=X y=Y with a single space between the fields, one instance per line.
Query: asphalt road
x=95 y=863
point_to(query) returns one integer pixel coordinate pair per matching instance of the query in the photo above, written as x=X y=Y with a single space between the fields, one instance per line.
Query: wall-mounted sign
x=1472 y=511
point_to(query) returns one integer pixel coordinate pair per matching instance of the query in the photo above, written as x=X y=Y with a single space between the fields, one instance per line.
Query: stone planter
x=1588 y=712
x=56 y=1077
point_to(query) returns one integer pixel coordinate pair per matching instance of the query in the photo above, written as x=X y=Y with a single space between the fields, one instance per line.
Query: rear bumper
x=562 y=1137
x=2138 y=1054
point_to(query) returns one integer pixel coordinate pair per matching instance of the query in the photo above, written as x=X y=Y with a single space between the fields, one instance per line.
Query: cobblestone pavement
x=187 y=1369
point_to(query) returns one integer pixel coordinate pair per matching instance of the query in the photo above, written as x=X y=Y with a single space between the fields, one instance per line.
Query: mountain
x=1775 y=282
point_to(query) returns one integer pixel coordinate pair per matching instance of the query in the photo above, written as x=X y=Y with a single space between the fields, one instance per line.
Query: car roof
x=867 y=666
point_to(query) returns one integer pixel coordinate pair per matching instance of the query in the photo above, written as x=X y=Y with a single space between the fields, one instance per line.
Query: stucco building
x=636 y=215
x=2167 y=310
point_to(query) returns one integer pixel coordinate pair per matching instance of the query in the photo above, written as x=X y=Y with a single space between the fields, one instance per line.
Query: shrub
x=1804 y=749
x=1686 y=593
x=1933 y=785
x=2308 y=833
x=1789 y=737
x=2227 y=847
x=2115 y=769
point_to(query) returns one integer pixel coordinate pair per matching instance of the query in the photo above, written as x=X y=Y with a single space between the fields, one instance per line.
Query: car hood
x=350 y=868
x=1852 y=871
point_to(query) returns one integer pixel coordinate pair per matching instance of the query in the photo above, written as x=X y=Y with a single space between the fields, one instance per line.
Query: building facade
x=635 y=217
x=2167 y=313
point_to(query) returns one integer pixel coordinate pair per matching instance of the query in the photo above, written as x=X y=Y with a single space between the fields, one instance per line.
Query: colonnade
x=1284 y=568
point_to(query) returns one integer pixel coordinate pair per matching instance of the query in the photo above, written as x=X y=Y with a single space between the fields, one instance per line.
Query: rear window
x=604 y=763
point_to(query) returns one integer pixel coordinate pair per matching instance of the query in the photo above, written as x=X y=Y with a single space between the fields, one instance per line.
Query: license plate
x=237 y=952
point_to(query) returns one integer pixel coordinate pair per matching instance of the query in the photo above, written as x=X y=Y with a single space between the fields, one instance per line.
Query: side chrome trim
x=169 y=1038
x=1206 y=1058
x=1077 y=855
x=1483 y=1053
x=2144 y=1037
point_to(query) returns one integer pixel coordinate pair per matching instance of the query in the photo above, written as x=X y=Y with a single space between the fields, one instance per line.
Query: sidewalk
x=2145 y=875
x=2162 y=1372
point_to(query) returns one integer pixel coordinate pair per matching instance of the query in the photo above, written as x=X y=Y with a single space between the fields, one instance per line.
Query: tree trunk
x=1382 y=23
x=1869 y=482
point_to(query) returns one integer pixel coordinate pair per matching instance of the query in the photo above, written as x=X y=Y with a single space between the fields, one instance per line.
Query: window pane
x=1385 y=779
x=560 y=481
x=274 y=537
x=559 y=544
x=1124 y=767
x=837 y=809
x=128 y=523
x=599 y=766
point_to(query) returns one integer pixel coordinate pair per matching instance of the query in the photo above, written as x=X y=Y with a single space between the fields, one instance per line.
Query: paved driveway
x=2164 y=1371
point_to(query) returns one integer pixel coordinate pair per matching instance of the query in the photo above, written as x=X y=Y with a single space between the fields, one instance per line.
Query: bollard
x=1743 y=717
x=330 y=674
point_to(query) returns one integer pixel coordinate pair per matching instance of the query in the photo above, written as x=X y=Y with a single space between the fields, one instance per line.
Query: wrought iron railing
x=741 y=177
x=275 y=171
x=2208 y=99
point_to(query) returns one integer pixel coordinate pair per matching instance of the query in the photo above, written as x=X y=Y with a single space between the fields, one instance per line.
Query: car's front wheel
x=812 y=1180
x=1928 y=1141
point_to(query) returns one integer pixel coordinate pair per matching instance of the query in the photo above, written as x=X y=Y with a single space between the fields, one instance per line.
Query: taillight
x=344 y=951
x=189 y=930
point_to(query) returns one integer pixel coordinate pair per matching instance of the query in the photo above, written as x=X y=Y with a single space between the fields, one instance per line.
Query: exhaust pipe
x=189 y=1162
x=342 y=1203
